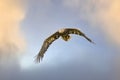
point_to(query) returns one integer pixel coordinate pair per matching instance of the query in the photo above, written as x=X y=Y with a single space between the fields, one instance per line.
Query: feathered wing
x=45 y=45
x=78 y=32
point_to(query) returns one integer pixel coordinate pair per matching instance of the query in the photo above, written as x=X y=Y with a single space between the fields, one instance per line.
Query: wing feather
x=78 y=32
x=45 y=45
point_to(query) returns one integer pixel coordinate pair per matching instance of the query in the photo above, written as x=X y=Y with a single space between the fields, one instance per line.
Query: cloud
x=74 y=68
x=100 y=12
x=72 y=63
x=11 y=39
x=103 y=14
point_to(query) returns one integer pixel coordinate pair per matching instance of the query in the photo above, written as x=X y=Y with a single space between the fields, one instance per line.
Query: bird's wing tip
x=38 y=59
x=93 y=42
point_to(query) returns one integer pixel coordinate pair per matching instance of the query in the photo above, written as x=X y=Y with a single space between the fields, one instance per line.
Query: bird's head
x=61 y=30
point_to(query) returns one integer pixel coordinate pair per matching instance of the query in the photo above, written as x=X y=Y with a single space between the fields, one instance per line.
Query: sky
x=25 y=24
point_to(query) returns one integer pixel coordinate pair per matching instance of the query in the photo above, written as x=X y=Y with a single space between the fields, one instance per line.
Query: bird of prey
x=64 y=34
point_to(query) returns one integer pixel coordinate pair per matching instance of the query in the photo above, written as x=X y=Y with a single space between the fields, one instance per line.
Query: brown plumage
x=64 y=33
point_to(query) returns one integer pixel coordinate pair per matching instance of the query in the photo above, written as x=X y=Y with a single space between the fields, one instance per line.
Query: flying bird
x=64 y=34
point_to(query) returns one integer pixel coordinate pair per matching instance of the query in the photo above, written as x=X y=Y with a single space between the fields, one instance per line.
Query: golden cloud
x=11 y=15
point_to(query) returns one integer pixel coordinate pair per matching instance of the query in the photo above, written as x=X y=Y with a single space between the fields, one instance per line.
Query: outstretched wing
x=45 y=45
x=78 y=32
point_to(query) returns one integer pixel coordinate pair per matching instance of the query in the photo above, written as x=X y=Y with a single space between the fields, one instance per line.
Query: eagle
x=64 y=33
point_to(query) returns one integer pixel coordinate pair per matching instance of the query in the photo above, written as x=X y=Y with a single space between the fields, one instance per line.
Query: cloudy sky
x=24 y=24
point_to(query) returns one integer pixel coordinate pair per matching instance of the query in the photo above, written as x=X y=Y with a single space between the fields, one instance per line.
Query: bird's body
x=64 y=34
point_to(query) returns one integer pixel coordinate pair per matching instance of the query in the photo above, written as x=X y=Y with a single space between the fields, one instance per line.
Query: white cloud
x=103 y=12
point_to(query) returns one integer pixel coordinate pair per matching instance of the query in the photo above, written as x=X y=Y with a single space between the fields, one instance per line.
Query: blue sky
x=73 y=60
